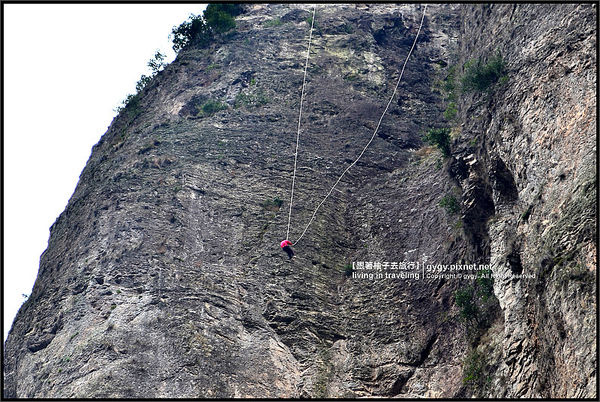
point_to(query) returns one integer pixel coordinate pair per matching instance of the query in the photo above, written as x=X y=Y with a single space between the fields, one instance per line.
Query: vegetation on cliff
x=200 y=30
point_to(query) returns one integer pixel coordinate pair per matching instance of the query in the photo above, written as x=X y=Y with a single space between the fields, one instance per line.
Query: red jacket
x=286 y=243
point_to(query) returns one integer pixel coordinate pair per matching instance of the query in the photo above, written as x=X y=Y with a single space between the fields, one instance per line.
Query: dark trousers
x=289 y=251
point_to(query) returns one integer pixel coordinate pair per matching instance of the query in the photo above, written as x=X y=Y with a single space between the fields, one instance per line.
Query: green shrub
x=272 y=205
x=478 y=77
x=316 y=27
x=477 y=305
x=200 y=30
x=466 y=302
x=232 y=9
x=348 y=270
x=251 y=100
x=131 y=106
x=192 y=30
x=449 y=84
x=219 y=17
x=131 y=102
x=450 y=204
x=485 y=284
x=157 y=63
x=142 y=82
x=474 y=371
x=439 y=137
x=275 y=22
x=211 y=107
x=450 y=112
x=348 y=28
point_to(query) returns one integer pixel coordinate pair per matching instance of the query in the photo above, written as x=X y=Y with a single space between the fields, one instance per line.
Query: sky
x=66 y=68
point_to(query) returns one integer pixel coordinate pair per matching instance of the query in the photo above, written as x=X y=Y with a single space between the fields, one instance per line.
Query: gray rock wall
x=537 y=131
x=164 y=278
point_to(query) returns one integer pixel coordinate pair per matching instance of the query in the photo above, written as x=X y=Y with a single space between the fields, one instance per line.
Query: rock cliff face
x=535 y=156
x=164 y=278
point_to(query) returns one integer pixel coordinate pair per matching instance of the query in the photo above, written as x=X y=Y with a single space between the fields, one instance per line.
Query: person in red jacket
x=286 y=245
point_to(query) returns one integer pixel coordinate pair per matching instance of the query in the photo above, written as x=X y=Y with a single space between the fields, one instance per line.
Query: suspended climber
x=286 y=245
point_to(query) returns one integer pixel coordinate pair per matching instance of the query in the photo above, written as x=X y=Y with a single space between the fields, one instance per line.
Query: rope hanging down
x=372 y=137
x=299 y=120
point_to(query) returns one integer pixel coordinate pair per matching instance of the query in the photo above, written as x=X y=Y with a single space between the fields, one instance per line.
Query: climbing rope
x=368 y=143
x=299 y=120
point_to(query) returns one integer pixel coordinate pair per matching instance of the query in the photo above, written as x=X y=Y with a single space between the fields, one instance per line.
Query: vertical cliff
x=164 y=278
x=530 y=146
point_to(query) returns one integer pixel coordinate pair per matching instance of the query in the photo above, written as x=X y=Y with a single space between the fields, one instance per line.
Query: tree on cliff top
x=201 y=29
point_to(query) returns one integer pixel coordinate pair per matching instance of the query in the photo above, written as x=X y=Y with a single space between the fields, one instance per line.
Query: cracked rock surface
x=163 y=277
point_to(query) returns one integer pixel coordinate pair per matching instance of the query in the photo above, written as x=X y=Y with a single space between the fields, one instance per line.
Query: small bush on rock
x=439 y=137
x=479 y=77
x=450 y=204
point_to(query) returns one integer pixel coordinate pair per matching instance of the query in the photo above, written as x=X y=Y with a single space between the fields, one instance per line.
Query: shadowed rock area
x=163 y=277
